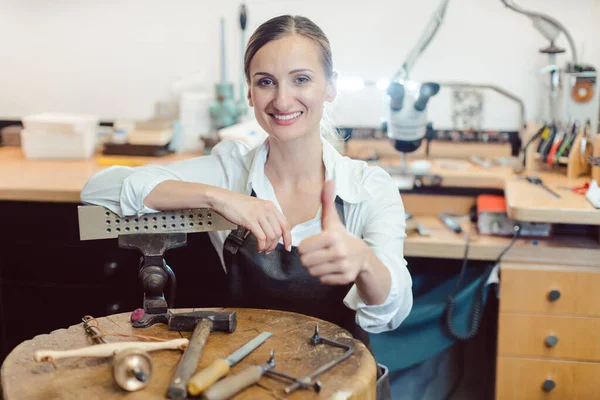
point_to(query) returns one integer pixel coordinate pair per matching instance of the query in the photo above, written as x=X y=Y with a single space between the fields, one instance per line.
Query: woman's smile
x=286 y=118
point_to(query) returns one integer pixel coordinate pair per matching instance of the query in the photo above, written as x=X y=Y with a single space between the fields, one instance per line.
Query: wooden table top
x=58 y=180
x=91 y=378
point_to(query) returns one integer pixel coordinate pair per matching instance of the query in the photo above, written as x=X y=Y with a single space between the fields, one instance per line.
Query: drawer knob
x=554 y=295
x=551 y=340
x=548 y=385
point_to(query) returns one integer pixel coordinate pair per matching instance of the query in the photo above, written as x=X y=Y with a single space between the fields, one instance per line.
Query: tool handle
x=206 y=377
x=189 y=361
x=226 y=388
x=109 y=349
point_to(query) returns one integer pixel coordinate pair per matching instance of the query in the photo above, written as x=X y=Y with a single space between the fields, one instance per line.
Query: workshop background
x=118 y=58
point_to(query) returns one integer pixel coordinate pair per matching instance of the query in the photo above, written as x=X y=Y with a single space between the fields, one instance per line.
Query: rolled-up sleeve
x=123 y=189
x=384 y=231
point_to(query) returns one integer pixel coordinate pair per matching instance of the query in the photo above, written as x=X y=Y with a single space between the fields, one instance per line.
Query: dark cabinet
x=49 y=279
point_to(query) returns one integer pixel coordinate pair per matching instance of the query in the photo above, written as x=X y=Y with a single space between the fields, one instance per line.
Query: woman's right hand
x=261 y=217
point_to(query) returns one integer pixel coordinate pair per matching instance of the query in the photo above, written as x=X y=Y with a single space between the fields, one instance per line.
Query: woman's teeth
x=287 y=117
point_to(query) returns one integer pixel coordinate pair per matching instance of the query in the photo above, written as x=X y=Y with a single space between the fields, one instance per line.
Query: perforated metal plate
x=96 y=222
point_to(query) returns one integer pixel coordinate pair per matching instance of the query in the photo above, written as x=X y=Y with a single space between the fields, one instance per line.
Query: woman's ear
x=250 y=102
x=332 y=87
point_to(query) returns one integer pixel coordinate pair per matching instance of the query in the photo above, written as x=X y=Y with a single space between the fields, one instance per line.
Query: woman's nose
x=284 y=98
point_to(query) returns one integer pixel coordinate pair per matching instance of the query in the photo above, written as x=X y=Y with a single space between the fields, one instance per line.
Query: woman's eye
x=265 y=82
x=302 y=79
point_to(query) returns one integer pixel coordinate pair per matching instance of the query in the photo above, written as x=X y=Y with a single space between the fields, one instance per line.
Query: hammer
x=201 y=323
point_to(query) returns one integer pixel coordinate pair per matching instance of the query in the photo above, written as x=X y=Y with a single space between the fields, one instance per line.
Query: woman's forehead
x=289 y=53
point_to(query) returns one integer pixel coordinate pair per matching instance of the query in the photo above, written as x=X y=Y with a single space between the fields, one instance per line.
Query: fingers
x=333 y=273
x=322 y=240
x=276 y=227
x=336 y=279
x=321 y=256
x=285 y=230
x=270 y=236
x=259 y=234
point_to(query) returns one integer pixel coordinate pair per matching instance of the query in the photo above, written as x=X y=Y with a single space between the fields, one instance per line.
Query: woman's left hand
x=334 y=256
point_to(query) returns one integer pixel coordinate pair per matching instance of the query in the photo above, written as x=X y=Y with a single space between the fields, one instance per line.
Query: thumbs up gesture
x=334 y=255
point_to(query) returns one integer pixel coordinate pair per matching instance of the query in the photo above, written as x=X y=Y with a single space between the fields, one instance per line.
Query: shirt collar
x=342 y=170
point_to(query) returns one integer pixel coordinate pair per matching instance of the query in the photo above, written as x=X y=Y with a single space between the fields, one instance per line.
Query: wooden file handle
x=228 y=387
x=109 y=349
x=208 y=376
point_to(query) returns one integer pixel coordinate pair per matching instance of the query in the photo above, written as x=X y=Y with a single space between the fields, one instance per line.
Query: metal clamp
x=306 y=382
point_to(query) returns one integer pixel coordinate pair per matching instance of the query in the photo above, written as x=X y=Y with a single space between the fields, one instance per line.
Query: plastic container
x=57 y=145
x=59 y=135
x=60 y=122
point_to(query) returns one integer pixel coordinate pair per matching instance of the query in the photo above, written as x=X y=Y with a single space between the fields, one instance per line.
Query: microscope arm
x=426 y=37
x=533 y=15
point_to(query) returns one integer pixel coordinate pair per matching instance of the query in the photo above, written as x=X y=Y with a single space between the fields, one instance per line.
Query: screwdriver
x=537 y=181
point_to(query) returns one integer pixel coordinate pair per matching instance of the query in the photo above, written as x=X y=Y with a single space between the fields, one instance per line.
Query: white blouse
x=372 y=206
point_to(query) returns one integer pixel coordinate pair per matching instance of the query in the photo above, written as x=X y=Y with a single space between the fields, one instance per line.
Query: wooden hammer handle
x=109 y=349
x=189 y=361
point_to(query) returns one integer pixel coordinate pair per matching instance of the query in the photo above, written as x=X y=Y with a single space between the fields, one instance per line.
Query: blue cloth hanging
x=423 y=334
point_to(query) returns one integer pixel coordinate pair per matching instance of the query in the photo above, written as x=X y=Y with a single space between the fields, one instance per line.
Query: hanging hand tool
x=202 y=323
x=220 y=367
x=538 y=181
x=233 y=384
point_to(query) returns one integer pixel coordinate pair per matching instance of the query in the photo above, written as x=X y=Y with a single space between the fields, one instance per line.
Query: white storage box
x=40 y=144
x=59 y=135
x=61 y=122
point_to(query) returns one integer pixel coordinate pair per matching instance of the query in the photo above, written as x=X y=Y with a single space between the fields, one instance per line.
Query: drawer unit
x=550 y=290
x=574 y=338
x=529 y=379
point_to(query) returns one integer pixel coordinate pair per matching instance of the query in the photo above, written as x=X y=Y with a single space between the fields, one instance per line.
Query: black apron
x=280 y=281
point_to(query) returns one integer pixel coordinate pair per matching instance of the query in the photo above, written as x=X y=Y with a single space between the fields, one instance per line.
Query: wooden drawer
x=534 y=336
x=527 y=288
x=524 y=379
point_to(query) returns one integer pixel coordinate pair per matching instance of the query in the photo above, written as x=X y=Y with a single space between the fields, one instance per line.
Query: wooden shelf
x=528 y=202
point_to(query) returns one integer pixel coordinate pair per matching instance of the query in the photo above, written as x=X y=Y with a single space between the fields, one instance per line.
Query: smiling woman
x=319 y=234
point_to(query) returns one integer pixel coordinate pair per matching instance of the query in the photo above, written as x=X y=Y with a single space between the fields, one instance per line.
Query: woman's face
x=288 y=87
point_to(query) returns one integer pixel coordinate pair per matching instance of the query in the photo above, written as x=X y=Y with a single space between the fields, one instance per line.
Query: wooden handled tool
x=189 y=361
x=234 y=384
x=202 y=323
x=220 y=367
x=109 y=349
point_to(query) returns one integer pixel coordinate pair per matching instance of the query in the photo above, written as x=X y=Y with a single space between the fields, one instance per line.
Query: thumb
x=329 y=214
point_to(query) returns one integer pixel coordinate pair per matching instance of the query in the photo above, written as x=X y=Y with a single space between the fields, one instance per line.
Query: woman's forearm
x=173 y=195
x=374 y=281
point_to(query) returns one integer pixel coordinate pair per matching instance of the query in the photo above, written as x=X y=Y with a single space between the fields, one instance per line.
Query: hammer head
x=221 y=321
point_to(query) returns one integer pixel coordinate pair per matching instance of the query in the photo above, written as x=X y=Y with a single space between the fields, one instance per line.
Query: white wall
x=116 y=58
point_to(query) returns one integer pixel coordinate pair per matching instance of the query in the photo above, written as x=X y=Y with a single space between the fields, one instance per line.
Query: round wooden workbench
x=91 y=378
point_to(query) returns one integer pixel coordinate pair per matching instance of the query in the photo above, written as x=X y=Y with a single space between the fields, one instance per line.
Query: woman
x=331 y=248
